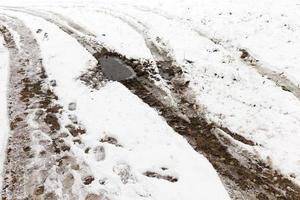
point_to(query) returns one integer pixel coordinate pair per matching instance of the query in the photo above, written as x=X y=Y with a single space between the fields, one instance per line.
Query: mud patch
x=75 y=130
x=159 y=176
x=93 y=77
x=52 y=121
x=14 y=122
x=88 y=180
x=8 y=38
x=110 y=140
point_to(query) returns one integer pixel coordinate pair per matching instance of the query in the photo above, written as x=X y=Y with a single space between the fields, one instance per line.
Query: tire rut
x=240 y=171
x=13 y=166
x=69 y=27
x=38 y=159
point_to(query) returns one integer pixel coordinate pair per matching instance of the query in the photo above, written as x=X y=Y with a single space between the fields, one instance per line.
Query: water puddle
x=115 y=69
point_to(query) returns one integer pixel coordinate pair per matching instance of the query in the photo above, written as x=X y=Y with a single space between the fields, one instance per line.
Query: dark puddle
x=115 y=69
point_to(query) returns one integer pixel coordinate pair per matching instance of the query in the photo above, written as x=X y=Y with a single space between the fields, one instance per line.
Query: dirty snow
x=4 y=61
x=145 y=141
x=233 y=93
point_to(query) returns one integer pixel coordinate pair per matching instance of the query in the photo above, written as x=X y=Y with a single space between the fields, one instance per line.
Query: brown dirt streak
x=13 y=171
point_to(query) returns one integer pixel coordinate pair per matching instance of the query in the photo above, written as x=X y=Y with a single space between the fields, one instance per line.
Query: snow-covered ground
x=205 y=38
x=145 y=143
x=4 y=63
x=235 y=94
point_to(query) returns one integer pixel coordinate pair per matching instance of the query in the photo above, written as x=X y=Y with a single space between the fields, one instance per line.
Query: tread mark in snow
x=36 y=153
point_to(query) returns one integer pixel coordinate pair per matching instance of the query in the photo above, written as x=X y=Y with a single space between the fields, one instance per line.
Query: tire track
x=39 y=161
x=159 y=49
x=13 y=167
x=278 y=78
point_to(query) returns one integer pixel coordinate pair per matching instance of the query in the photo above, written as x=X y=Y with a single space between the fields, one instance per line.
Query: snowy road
x=191 y=111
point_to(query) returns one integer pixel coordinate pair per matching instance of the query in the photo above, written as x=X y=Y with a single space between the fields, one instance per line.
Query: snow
x=236 y=96
x=109 y=30
x=4 y=61
x=233 y=93
x=146 y=142
x=149 y=145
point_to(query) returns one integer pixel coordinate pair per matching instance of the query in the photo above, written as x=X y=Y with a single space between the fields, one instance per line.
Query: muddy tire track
x=243 y=174
x=16 y=157
x=38 y=151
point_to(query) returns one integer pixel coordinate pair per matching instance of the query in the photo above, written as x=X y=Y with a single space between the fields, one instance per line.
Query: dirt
x=75 y=130
x=110 y=140
x=39 y=190
x=93 y=77
x=159 y=176
x=14 y=122
x=238 y=137
x=95 y=197
x=88 y=180
x=52 y=121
